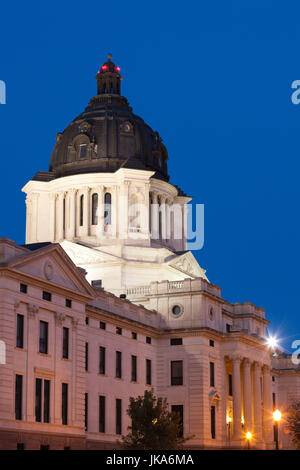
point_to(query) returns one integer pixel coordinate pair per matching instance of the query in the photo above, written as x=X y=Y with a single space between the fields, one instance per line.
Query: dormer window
x=82 y=150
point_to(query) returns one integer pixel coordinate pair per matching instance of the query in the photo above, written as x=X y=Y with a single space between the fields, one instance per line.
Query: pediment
x=187 y=264
x=83 y=255
x=53 y=265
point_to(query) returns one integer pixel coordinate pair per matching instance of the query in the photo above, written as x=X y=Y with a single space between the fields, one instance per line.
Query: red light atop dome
x=117 y=69
x=104 y=67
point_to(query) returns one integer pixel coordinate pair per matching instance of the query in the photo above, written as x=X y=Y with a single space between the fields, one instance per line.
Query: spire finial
x=109 y=56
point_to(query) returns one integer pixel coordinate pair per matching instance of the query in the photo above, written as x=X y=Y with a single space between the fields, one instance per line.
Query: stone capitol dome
x=107 y=136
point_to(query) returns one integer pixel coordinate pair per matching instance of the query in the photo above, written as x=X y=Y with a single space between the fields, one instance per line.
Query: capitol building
x=104 y=301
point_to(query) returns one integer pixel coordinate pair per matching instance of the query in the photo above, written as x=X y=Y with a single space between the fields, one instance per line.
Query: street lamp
x=277 y=418
x=248 y=437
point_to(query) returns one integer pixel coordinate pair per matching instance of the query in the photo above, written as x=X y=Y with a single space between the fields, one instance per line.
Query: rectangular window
x=46 y=401
x=133 y=335
x=18 y=396
x=118 y=416
x=228 y=328
x=118 y=330
x=20 y=331
x=101 y=414
x=86 y=356
x=133 y=368
x=86 y=320
x=176 y=373
x=23 y=288
x=213 y=422
x=148 y=372
x=65 y=343
x=212 y=343
x=64 y=404
x=20 y=446
x=68 y=303
x=118 y=364
x=38 y=400
x=178 y=409
x=43 y=337
x=102 y=325
x=86 y=410
x=274 y=401
x=102 y=360
x=212 y=374
x=148 y=340
x=175 y=341
x=47 y=296
x=44 y=447
x=230 y=385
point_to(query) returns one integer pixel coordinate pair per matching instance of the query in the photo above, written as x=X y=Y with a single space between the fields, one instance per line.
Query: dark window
x=102 y=325
x=82 y=150
x=86 y=356
x=44 y=447
x=18 y=396
x=95 y=209
x=68 y=303
x=20 y=446
x=47 y=296
x=178 y=409
x=148 y=340
x=46 y=401
x=101 y=414
x=230 y=385
x=213 y=422
x=67 y=448
x=64 y=404
x=133 y=335
x=107 y=209
x=176 y=373
x=228 y=328
x=65 y=343
x=148 y=372
x=212 y=343
x=23 y=288
x=101 y=360
x=175 y=341
x=176 y=310
x=273 y=378
x=86 y=320
x=274 y=401
x=212 y=374
x=38 y=400
x=118 y=416
x=86 y=409
x=81 y=210
x=118 y=330
x=20 y=331
x=133 y=368
x=97 y=283
x=118 y=364
x=43 y=337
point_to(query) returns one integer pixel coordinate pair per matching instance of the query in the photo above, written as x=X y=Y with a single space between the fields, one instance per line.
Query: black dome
x=108 y=135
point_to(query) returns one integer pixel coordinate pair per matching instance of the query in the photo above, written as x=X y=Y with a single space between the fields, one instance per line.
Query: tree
x=293 y=423
x=153 y=427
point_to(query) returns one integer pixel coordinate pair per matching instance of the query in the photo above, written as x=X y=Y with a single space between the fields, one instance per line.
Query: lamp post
x=277 y=418
x=248 y=437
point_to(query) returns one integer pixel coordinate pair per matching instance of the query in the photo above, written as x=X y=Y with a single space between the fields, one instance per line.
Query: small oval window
x=176 y=310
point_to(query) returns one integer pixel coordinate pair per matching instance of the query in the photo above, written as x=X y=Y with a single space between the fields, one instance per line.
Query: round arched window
x=211 y=313
x=176 y=310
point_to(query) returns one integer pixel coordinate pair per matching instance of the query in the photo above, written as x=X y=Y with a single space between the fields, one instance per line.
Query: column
x=154 y=217
x=86 y=211
x=267 y=406
x=52 y=216
x=257 y=402
x=247 y=395
x=72 y=214
x=59 y=218
x=163 y=218
x=168 y=224
x=237 y=398
x=100 y=212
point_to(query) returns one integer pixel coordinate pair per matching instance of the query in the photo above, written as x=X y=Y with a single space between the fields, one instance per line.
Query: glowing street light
x=272 y=342
x=248 y=437
x=277 y=417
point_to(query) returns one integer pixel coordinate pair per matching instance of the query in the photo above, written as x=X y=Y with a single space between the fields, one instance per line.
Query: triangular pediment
x=83 y=255
x=53 y=265
x=186 y=263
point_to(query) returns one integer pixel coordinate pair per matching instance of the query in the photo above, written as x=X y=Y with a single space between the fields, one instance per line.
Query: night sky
x=214 y=78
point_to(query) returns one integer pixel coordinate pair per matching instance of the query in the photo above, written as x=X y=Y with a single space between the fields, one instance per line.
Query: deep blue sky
x=214 y=78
